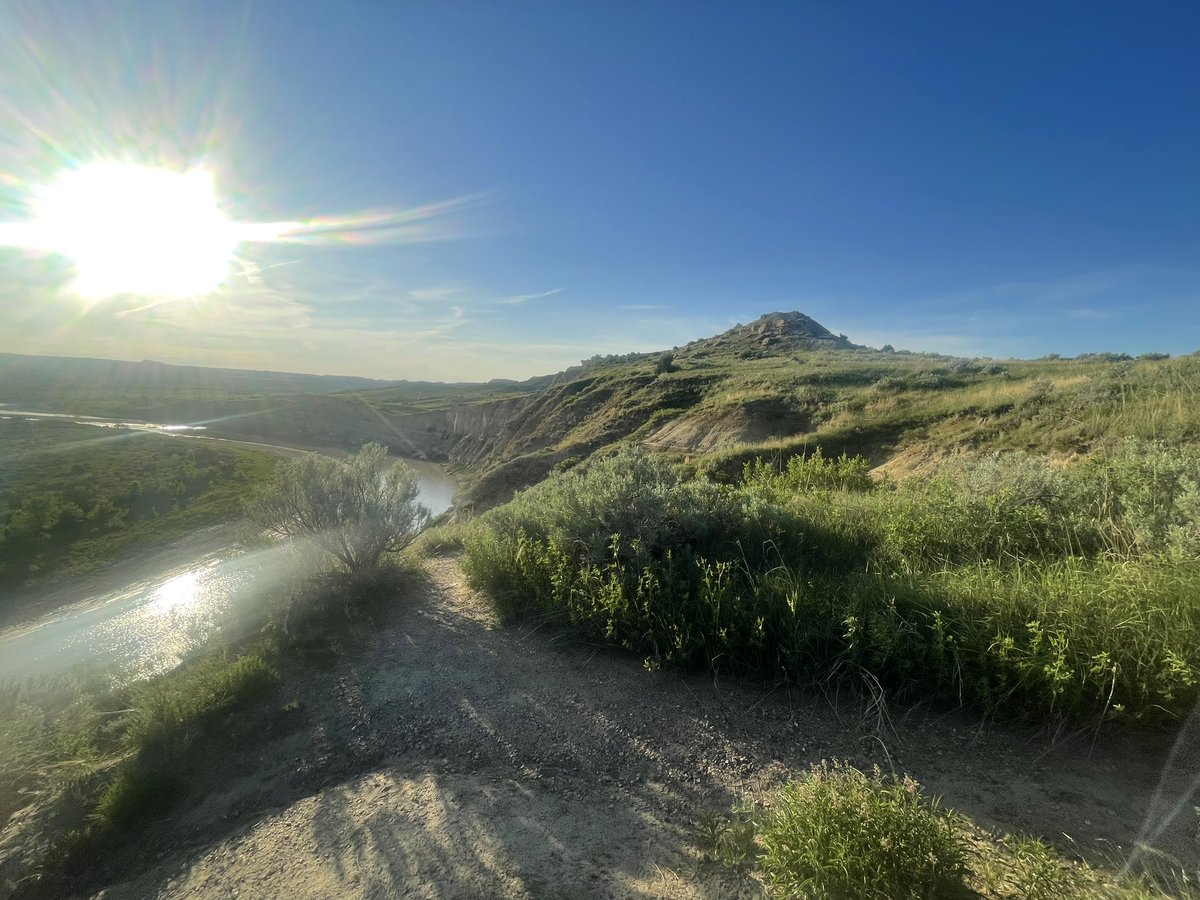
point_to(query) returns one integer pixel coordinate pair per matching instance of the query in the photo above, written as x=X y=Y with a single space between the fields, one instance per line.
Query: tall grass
x=1009 y=583
x=128 y=746
x=845 y=835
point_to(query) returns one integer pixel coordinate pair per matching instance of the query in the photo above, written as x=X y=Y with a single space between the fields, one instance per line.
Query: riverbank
x=43 y=458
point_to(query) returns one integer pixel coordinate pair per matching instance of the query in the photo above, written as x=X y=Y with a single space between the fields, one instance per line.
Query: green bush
x=351 y=511
x=1006 y=582
x=811 y=473
x=839 y=833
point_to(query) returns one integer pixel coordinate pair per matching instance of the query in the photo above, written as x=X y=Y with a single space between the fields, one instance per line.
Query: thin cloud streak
x=525 y=298
x=415 y=225
x=435 y=294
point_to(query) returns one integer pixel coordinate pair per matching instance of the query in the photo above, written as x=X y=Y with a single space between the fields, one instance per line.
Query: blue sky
x=1012 y=179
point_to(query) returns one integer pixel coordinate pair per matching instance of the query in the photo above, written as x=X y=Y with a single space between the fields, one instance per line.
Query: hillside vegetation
x=72 y=497
x=776 y=387
x=109 y=387
x=782 y=386
x=1008 y=583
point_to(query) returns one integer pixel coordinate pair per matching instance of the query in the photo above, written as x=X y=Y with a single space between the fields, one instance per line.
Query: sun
x=160 y=233
x=132 y=229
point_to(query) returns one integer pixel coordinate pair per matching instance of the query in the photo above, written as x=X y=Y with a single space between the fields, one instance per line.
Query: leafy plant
x=840 y=833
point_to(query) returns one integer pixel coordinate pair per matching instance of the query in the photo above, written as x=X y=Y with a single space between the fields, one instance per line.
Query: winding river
x=167 y=605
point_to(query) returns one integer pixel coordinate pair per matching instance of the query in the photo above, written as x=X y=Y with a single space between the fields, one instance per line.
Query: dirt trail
x=452 y=758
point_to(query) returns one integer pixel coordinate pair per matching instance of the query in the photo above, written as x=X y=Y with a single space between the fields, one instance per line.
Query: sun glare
x=154 y=232
x=132 y=229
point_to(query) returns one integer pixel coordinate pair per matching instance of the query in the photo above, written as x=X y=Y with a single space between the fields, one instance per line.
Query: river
x=143 y=617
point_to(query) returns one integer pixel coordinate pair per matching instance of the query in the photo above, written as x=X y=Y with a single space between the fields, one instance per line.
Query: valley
x=666 y=583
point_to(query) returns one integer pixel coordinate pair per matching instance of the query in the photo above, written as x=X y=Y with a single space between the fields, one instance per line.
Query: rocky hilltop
x=778 y=332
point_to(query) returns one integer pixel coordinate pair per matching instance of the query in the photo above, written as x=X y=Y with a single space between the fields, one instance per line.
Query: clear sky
x=552 y=180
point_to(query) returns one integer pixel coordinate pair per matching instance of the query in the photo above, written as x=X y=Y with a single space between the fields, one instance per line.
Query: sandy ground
x=447 y=757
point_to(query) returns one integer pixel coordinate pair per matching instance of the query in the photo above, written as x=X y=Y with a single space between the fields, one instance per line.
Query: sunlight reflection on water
x=180 y=591
x=143 y=631
x=151 y=626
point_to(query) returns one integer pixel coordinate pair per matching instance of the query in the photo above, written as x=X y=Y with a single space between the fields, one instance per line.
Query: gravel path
x=450 y=758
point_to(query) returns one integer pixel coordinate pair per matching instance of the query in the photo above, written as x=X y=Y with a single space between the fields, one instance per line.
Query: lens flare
x=131 y=229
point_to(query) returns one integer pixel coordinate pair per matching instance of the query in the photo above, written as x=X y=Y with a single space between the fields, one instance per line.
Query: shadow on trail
x=453 y=758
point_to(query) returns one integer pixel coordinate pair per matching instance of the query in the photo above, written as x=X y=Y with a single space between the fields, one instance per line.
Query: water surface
x=152 y=623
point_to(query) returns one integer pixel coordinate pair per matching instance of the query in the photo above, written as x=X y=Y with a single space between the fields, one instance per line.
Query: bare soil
x=447 y=757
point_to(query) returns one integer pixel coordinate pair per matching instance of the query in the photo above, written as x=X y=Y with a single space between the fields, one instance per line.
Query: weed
x=840 y=833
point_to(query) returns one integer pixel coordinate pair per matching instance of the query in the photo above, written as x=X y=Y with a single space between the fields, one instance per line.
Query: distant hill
x=114 y=387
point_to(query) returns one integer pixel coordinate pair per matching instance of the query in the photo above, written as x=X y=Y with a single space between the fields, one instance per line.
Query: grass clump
x=137 y=795
x=166 y=715
x=127 y=752
x=840 y=833
x=154 y=737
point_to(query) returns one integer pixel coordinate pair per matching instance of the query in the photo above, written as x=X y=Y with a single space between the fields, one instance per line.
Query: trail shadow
x=448 y=757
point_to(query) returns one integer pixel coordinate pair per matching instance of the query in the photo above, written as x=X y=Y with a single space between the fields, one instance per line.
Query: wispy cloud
x=253 y=272
x=525 y=298
x=432 y=222
x=435 y=294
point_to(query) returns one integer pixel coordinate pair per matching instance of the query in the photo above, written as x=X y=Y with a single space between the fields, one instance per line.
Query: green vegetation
x=840 y=833
x=73 y=497
x=1007 y=583
x=424 y=396
x=152 y=390
x=886 y=405
x=845 y=835
x=776 y=389
x=124 y=754
x=351 y=511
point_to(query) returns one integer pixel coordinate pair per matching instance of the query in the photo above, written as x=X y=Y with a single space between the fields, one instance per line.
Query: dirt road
x=450 y=758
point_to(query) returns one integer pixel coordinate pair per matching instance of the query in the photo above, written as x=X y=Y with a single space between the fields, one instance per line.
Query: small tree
x=353 y=510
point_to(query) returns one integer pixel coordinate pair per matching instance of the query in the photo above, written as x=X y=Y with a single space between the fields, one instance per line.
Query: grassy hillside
x=1045 y=563
x=412 y=397
x=718 y=403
